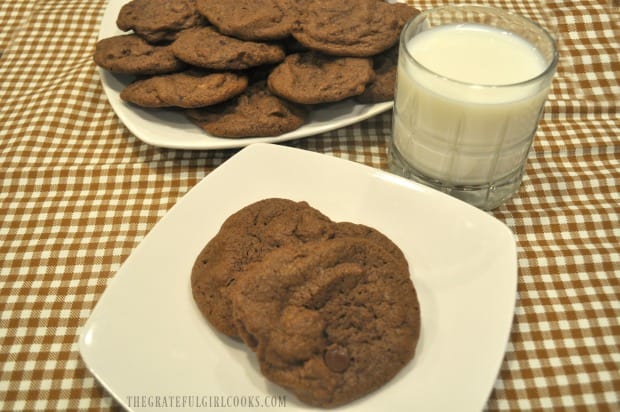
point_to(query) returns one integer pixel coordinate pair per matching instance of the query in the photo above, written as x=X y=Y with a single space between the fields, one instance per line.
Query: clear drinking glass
x=464 y=120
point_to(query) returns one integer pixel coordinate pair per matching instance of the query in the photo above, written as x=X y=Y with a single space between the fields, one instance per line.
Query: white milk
x=454 y=131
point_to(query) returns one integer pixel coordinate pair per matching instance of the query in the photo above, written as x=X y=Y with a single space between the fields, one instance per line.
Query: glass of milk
x=471 y=86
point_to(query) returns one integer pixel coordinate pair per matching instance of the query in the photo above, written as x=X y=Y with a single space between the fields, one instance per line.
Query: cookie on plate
x=158 y=20
x=331 y=320
x=247 y=236
x=311 y=78
x=187 y=89
x=359 y=28
x=381 y=88
x=207 y=48
x=254 y=231
x=254 y=113
x=250 y=19
x=130 y=54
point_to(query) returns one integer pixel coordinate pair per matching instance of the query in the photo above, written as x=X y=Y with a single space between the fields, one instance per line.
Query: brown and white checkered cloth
x=79 y=192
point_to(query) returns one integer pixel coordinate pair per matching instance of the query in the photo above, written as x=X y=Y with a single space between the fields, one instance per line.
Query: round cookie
x=158 y=20
x=250 y=19
x=205 y=47
x=312 y=78
x=331 y=321
x=256 y=112
x=359 y=28
x=130 y=54
x=188 y=89
x=245 y=237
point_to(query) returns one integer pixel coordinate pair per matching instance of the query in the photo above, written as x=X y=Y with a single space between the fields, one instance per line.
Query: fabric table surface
x=79 y=192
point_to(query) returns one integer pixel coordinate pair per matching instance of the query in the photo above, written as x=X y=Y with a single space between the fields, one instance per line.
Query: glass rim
x=549 y=69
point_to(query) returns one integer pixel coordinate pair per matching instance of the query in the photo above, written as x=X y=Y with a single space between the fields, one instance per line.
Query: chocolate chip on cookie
x=311 y=78
x=188 y=89
x=130 y=54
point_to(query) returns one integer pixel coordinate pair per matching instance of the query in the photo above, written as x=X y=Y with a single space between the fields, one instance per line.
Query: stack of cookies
x=244 y=68
x=329 y=308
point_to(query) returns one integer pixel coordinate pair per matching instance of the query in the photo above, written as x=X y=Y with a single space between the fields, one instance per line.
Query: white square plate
x=146 y=338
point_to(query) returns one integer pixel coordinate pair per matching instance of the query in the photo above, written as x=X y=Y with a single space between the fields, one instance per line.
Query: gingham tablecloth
x=79 y=192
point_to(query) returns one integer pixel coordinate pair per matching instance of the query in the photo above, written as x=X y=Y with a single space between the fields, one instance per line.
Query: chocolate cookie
x=330 y=320
x=131 y=54
x=245 y=237
x=250 y=19
x=256 y=112
x=349 y=27
x=205 y=47
x=254 y=231
x=381 y=88
x=158 y=20
x=188 y=89
x=310 y=78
